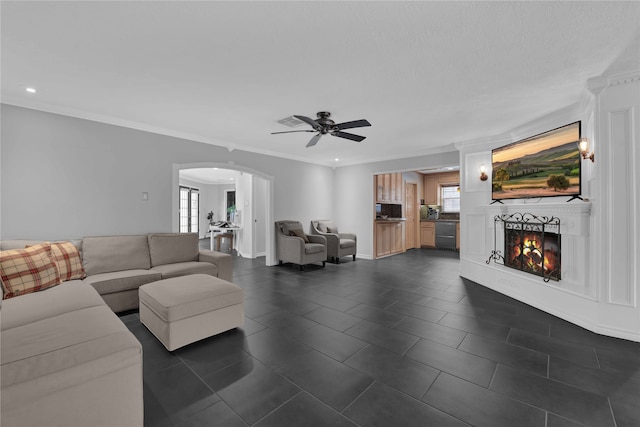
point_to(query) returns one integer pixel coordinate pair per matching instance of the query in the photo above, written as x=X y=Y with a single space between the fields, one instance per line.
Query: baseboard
x=583 y=307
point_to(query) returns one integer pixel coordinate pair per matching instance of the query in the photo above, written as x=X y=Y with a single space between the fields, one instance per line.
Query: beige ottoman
x=186 y=309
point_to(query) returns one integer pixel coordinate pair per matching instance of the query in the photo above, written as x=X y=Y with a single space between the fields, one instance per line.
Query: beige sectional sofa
x=67 y=359
x=116 y=266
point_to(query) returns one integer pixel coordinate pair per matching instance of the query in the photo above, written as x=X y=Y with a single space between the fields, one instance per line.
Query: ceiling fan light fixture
x=291 y=122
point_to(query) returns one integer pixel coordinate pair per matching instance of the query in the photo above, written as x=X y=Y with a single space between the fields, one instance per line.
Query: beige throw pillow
x=299 y=233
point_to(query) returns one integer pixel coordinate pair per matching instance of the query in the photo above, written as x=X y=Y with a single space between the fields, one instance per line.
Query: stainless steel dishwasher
x=446 y=235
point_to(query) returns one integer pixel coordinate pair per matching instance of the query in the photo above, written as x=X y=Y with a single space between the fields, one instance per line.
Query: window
x=450 y=198
x=189 y=210
x=231 y=204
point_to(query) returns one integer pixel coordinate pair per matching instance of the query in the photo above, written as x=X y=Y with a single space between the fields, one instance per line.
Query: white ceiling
x=425 y=74
x=210 y=175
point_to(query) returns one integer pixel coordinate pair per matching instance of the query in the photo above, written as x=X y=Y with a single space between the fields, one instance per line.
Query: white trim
x=103 y=118
x=511 y=289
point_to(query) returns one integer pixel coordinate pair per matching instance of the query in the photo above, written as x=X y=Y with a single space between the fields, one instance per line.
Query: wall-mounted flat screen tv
x=545 y=165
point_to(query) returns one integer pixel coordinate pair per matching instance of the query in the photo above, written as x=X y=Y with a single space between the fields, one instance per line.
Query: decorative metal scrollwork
x=516 y=226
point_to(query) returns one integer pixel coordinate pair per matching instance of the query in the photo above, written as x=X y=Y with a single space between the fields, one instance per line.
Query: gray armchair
x=338 y=244
x=292 y=247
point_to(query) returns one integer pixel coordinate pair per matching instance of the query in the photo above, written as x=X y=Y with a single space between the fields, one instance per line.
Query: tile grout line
x=431 y=385
x=549 y=366
x=358 y=397
x=597 y=358
x=274 y=409
x=613 y=415
x=495 y=371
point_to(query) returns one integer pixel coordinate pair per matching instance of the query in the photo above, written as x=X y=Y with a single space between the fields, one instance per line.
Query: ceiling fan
x=324 y=125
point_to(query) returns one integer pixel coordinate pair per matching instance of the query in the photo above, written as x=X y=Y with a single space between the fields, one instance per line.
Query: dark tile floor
x=401 y=341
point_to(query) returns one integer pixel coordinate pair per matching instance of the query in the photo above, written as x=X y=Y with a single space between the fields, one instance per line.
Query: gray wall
x=63 y=177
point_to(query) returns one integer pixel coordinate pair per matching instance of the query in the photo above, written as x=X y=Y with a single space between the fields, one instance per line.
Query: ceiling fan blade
x=314 y=140
x=291 y=131
x=354 y=124
x=308 y=121
x=347 y=135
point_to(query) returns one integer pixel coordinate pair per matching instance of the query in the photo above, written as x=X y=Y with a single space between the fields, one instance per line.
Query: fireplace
x=531 y=244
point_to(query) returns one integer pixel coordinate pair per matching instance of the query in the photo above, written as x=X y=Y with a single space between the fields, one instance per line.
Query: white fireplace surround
x=575 y=290
x=574 y=245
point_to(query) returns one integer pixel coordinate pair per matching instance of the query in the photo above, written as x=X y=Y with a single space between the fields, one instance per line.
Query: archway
x=265 y=199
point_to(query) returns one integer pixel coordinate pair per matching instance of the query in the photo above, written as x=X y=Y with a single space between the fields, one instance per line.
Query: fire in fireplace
x=531 y=244
x=532 y=249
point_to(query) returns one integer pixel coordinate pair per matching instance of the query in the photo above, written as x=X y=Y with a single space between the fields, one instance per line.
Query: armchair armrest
x=331 y=239
x=316 y=238
x=351 y=236
x=224 y=262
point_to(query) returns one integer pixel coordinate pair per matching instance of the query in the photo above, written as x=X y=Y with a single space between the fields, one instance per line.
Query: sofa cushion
x=332 y=229
x=118 y=281
x=170 y=248
x=185 y=268
x=18 y=243
x=67 y=258
x=314 y=248
x=299 y=233
x=115 y=253
x=68 y=296
x=347 y=243
x=43 y=357
x=28 y=270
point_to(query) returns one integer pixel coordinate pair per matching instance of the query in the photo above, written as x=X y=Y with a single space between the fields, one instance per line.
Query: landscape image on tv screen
x=545 y=165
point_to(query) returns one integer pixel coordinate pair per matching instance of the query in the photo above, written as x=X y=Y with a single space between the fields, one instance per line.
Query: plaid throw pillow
x=67 y=257
x=28 y=270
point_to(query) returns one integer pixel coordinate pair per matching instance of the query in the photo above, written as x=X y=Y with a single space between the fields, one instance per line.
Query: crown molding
x=115 y=121
x=597 y=84
x=625 y=78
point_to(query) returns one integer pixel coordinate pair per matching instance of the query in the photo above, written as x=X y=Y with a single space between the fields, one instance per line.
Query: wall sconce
x=583 y=146
x=483 y=174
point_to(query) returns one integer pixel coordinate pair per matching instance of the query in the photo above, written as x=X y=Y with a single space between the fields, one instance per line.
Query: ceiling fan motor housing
x=326 y=124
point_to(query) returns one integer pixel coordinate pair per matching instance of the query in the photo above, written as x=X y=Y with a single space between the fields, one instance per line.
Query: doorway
x=252 y=198
x=412 y=226
x=189 y=210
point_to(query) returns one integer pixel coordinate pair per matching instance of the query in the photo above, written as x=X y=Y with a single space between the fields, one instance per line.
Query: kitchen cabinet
x=389 y=238
x=428 y=234
x=432 y=183
x=430 y=190
x=389 y=188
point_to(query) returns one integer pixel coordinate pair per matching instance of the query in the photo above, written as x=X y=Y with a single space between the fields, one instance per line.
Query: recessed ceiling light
x=336 y=159
x=230 y=179
x=30 y=90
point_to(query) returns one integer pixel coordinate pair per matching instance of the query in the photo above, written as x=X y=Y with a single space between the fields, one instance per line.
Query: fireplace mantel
x=574 y=217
